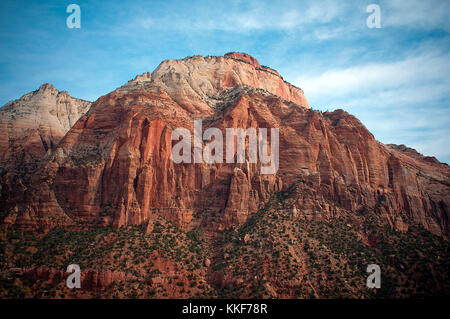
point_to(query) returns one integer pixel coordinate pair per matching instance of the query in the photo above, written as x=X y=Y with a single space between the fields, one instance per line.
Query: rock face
x=138 y=82
x=114 y=166
x=30 y=129
x=33 y=125
x=197 y=83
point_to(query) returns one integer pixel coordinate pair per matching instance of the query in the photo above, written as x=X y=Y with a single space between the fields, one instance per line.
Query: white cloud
x=260 y=16
x=384 y=80
x=430 y=14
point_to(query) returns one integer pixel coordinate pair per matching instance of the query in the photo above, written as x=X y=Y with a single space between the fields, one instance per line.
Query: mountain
x=33 y=125
x=339 y=200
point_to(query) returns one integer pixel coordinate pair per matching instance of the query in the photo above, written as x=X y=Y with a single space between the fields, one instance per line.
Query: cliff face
x=114 y=166
x=196 y=83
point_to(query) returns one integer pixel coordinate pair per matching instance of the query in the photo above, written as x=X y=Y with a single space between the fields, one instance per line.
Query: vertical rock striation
x=114 y=166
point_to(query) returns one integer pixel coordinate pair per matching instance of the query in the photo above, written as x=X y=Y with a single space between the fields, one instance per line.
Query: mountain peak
x=47 y=87
x=243 y=57
x=36 y=122
x=196 y=82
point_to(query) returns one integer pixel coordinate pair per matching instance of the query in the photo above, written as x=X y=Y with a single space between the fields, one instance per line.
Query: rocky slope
x=114 y=168
x=274 y=254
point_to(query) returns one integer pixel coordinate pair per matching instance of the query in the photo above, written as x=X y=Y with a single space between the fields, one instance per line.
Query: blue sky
x=394 y=79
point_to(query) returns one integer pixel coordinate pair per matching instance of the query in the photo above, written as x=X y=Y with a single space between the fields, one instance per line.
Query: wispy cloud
x=417 y=14
x=383 y=79
x=256 y=16
x=404 y=101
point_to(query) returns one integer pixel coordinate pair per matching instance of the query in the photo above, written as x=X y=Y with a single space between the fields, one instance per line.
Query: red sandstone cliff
x=114 y=166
